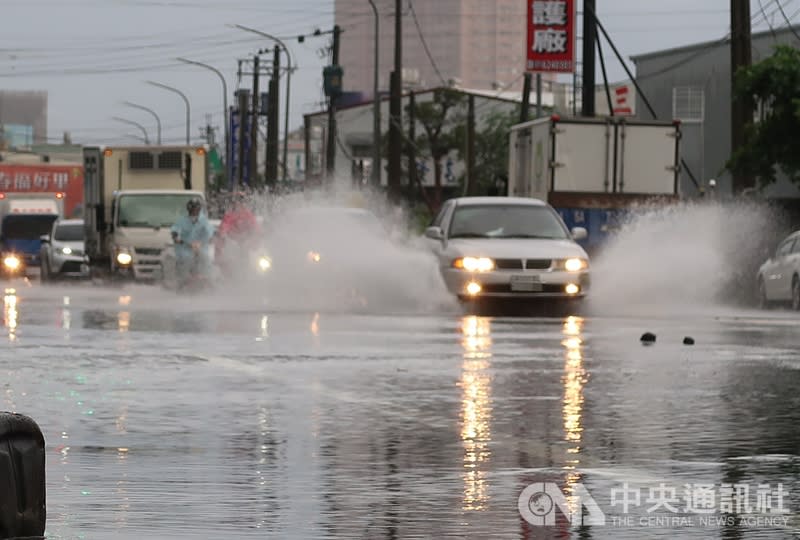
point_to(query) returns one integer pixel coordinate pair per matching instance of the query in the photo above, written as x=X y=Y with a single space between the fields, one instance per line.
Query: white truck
x=24 y=218
x=594 y=170
x=133 y=195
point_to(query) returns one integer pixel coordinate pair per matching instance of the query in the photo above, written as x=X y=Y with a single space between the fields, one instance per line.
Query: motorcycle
x=193 y=276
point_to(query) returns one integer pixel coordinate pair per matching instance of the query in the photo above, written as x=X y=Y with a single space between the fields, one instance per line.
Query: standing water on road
x=174 y=420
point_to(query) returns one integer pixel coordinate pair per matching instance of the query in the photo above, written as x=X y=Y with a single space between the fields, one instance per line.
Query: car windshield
x=27 y=227
x=152 y=211
x=506 y=221
x=69 y=233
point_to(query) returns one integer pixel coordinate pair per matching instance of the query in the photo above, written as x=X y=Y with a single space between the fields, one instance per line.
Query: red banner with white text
x=44 y=178
x=552 y=39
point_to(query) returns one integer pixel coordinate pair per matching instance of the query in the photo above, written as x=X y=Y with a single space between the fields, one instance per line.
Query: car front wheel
x=44 y=272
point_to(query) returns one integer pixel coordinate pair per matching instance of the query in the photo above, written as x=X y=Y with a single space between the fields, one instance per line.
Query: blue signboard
x=233 y=158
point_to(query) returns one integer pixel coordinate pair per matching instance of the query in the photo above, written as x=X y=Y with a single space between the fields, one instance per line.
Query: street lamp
x=158 y=120
x=288 y=90
x=225 y=119
x=376 y=108
x=188 y=109
x=132 y=123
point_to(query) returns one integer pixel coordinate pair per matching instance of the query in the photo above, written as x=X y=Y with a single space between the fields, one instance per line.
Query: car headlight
x=474 y=264
x=67 y=250
x=573 y=264
x=313 y=256
x=124 y=256
x=264 y=263
x=12 y=262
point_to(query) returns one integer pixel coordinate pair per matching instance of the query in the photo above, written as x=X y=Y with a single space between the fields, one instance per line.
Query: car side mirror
x=579 y=233
x=45 y=238
x=434 y=233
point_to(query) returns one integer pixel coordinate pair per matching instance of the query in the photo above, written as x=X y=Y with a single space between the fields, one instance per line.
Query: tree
x=772 y=87
x=491 y=148
x=437 y=140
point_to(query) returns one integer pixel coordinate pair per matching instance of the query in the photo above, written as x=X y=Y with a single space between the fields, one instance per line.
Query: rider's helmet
x=194 y=204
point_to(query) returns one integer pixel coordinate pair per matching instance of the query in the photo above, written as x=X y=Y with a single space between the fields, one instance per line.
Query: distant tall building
x=23 y=118
x=478 y=44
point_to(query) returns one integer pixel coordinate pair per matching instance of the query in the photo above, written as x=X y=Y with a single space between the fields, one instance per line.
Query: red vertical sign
x=551 y=36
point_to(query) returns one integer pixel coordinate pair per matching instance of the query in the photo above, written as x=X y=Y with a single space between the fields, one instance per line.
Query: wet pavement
x=169 y=418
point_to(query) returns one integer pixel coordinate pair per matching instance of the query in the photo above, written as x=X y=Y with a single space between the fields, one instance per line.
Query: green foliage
x=773 y=85
x=436 y=121
x=491 y=148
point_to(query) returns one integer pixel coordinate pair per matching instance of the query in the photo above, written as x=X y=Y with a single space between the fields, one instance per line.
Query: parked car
x=62 y=251
x=508 y=247
x=778 y=279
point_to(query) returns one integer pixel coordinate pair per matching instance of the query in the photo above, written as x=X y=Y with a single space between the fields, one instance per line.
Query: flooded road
x=174 y=419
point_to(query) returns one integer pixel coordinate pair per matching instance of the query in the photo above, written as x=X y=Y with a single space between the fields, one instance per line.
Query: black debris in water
x=688 y=340
x=648 y=337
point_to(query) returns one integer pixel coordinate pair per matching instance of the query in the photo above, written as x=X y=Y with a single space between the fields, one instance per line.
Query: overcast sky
x=90 y=55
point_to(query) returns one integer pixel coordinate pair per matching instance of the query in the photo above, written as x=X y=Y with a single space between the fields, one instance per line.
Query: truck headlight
x=124 y=256
x=11 y=262
x=474 y=264
x=573 y=264
x=67 y=250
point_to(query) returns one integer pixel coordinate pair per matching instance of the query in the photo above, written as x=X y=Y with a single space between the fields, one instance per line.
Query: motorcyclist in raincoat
x=192 y=235
x=237 y=236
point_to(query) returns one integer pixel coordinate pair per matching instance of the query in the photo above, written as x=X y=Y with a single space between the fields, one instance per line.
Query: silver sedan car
x=508 y=247
x=778 y=279
x=62 y=251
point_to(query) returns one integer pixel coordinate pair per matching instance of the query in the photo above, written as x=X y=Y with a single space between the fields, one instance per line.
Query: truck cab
x=140 y=230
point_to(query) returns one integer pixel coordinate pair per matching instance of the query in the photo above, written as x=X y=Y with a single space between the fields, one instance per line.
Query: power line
x=788 y=22
x=425 y=43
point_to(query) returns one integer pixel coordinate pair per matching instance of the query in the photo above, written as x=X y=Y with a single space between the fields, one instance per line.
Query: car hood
x=73 y=245
x=514 y=248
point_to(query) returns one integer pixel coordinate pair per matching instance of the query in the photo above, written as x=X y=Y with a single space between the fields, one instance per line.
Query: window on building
x=688 y=103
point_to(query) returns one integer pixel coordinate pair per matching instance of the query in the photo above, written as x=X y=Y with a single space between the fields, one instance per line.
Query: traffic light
x=332 y=76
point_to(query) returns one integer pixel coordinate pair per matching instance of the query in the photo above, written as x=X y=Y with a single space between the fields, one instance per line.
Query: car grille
x=148 y=251
x=71 y=267
x=508 y=264
x=537 y=264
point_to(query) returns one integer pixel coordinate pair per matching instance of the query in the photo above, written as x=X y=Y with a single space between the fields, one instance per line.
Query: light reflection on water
x=476 y=410
x=10 y=313
x=573 y=380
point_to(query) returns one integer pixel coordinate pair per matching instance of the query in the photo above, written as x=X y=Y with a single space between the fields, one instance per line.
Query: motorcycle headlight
x=264 y=264
x=12 y=262
x=474 y=264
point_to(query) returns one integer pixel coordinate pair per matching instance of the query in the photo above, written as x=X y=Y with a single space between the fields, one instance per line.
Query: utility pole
x=396 y=105
x=273 y=120
x=330 y=147
x=254 y=125
x=741 y=57
x=589 y=42
x=525 y=106
x=241 y=178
